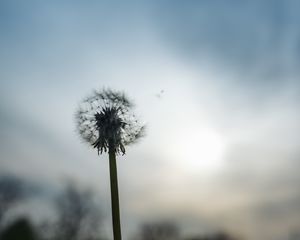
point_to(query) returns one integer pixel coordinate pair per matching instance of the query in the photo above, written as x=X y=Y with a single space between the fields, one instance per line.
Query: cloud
x=249 y=37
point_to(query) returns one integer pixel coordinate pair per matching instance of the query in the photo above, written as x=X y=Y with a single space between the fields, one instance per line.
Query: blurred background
x=216 y=82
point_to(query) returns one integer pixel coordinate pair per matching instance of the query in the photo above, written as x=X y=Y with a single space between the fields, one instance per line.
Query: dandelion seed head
x=105 y=120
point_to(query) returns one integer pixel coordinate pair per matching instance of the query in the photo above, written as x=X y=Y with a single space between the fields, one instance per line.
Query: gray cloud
x=247 y=36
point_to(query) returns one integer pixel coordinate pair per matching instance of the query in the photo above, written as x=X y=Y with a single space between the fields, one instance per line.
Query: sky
x=216 y=83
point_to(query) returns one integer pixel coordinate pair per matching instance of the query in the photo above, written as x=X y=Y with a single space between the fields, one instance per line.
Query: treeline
x=78 y=217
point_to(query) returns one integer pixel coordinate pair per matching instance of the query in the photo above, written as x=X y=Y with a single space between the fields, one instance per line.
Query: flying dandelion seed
x=105 y=120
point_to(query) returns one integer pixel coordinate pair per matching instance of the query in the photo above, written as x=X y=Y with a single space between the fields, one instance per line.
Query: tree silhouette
x=78 y=218
x=11 y=191
x=105 y=121
x=20 y=229
x=215 y=236
x=159 y=231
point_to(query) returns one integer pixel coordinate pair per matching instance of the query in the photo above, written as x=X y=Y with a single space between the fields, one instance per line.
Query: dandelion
x=105 y=120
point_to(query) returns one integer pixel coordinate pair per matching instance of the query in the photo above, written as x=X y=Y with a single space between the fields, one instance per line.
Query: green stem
x=114 y=195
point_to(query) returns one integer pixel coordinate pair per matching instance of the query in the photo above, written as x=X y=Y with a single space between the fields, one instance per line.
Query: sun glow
x=198 y=150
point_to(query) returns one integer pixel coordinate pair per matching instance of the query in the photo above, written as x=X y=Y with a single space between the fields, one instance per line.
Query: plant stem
x=114 y=195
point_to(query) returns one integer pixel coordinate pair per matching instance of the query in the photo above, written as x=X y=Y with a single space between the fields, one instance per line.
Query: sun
x=198 y=150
